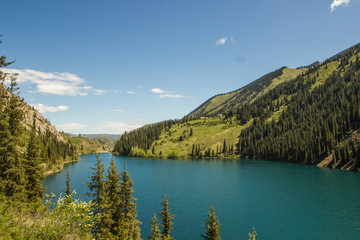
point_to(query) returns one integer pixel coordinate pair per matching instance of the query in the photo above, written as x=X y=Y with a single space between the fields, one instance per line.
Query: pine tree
x=155 y=231
x=68 y=197
x=33 y=170
x=97 y=186
x=252 y=236
x=212 y=226
x=110 y=220
x=12 y=172
x=128 y=208
x=97 y=192
x=166 y=218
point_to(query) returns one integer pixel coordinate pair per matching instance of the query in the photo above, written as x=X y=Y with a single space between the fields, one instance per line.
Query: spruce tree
x=33 y=169
x=212 y=226
x=12 y=171
x=68 y=197
x=166 y=218
x=128 y=205
x=97 y=186
x=155 y=231
x=97 y=191
x=110 y=220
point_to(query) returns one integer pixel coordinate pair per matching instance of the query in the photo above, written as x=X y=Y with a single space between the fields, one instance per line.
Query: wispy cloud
x=337 y=3
x=165 y=94
x=130 y=92
x=221 y=41
x=44 y=108
x=55 y=83
x=114 y=127
x=107 y=127
x=171 y=96
x=157 y=90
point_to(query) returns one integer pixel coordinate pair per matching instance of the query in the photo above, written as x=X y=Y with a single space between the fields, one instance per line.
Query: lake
x=281 y=200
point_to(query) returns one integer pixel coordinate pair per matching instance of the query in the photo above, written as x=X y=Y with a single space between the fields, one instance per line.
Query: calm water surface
x=281 y=200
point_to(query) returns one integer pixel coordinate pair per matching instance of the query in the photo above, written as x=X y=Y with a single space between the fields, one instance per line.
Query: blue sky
x=109 y=66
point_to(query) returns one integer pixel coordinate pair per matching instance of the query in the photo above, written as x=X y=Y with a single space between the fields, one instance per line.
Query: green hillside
x=225 y=102
x=304 y=115
x=85 y=145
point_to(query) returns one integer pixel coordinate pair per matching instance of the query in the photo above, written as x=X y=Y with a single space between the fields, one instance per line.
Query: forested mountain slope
x=306 y=119
x=231 y=101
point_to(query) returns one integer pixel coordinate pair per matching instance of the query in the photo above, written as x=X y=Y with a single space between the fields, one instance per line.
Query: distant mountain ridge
x=222 y=103
x=309 y=115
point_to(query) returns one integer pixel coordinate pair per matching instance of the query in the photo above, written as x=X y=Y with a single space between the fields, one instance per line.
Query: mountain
x=85 y=144
x=231 y=101
x=309 y=115
x=56 y=148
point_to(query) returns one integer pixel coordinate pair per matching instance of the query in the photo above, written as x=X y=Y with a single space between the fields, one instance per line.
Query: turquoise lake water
x=281 y=200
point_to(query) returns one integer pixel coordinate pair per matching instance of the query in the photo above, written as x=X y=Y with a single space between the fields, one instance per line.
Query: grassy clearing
x=288 y=74
x=86 y=145
x=209 y=133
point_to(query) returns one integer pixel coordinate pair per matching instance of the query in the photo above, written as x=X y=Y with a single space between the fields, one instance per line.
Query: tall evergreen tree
x=12 y=171
x=33 y=170
x=97 y=186
x=128 y=208
x=110 y=220
x=166 y=218
x=68 y=197
x=155 y=231
x=212 y=226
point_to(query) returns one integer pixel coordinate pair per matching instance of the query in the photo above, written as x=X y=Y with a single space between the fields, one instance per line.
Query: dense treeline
x=143 y=137
x=23 y=154
x=313 y=121
x=55 y=152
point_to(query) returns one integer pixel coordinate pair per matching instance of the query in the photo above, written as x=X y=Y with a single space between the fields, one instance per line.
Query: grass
x=209 y=133
x=288 y=74
x=87 y=145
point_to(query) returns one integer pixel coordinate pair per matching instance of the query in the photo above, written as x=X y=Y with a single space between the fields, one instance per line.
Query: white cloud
x=71 y=127
x=171 y=96
x=221 y=41
x=55 y=83
x=130 y=92
x=107 y=127
x=232 y=39
x=44 y=108
x=337 y=3
x=165 y=94
x=157 y=90
x=114 y=127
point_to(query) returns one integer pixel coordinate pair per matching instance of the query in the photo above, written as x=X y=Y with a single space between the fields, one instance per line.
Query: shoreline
x=61 y=167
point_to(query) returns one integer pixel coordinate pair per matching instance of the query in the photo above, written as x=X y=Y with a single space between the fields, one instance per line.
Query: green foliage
x=33 y=170
x=212 y=226
x=252 y=235
x=34 y=221
x=68 y=197
x=166 y=218
x=128 y=206
x=74 y=216
x=155 y=231
x=12 y=171
x=142 y=138
x=315 y=121
x=97 y=188
x=231 y=101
